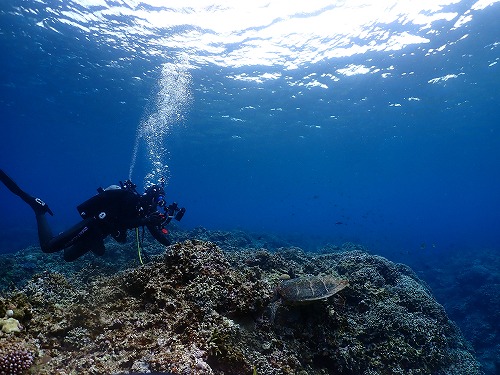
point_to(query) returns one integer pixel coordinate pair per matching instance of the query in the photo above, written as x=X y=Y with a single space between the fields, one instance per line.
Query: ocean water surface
x=365 y=121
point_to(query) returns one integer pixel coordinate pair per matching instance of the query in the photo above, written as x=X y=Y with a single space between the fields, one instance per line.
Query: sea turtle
x=305 y=289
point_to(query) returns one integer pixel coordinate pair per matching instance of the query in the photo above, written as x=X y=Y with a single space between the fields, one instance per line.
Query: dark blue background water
x=404 y=158
x=360 y=161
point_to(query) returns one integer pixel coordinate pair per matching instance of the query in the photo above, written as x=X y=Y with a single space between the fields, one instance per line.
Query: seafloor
x=202 y=306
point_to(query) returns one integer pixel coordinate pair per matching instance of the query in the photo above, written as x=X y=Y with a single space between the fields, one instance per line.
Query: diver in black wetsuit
x=112 y=211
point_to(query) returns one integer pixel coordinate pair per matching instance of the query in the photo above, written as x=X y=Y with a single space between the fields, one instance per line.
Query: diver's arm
x=152 y=219
x=158 y=235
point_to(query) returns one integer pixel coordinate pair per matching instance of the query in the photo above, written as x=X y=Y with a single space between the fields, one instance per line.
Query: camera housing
x=173 y=211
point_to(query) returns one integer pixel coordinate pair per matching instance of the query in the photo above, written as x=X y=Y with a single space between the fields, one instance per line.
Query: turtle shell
x=310 y=288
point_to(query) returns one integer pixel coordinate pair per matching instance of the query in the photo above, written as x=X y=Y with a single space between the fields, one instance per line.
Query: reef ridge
x=196 y=309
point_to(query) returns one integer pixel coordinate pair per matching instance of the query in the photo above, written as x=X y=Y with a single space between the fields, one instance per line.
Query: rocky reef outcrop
x=196 y=309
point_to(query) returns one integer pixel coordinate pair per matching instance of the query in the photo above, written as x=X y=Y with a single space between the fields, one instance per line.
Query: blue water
x=374 y=122
x=330 y=123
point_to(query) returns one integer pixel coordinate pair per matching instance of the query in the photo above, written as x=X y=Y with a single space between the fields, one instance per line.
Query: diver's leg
x=69 y=237
x=82 y=237
x=92 y=241
x=74 y=252
x=98 y=247
x=45 y=234
x=39 y=206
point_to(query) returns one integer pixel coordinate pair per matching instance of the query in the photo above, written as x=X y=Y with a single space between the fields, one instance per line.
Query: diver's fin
x=39 y=206
x=10 y=184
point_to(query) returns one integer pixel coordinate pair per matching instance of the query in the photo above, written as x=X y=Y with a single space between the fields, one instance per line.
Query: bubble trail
x=173 y=97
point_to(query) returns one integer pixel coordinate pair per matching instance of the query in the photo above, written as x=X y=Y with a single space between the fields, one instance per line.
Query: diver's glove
x=154 y=218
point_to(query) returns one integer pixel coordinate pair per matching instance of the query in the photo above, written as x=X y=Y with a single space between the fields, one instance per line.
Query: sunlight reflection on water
x=268 y=33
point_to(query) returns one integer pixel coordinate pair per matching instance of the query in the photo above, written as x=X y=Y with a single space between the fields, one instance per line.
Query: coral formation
x=15 y=362
x=197 y=309
x=10 y=325
x=469 y=287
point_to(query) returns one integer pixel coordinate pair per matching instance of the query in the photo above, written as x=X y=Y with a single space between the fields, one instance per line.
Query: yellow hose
x=138 y=245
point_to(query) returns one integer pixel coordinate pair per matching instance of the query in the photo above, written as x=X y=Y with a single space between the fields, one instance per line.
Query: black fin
x=39 y=206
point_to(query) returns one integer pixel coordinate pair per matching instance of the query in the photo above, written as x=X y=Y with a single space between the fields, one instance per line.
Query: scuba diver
x=111 y=212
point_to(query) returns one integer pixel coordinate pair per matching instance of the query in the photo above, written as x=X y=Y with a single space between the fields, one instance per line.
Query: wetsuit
x=111 y=212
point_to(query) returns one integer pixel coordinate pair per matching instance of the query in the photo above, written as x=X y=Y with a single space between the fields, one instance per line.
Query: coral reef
x=15 y=362
x=10 y=325
x=18 y=268
x=197 y=309
x=468 y=285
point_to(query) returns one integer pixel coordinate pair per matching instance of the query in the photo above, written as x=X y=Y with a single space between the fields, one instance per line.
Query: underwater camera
x=174 y=212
